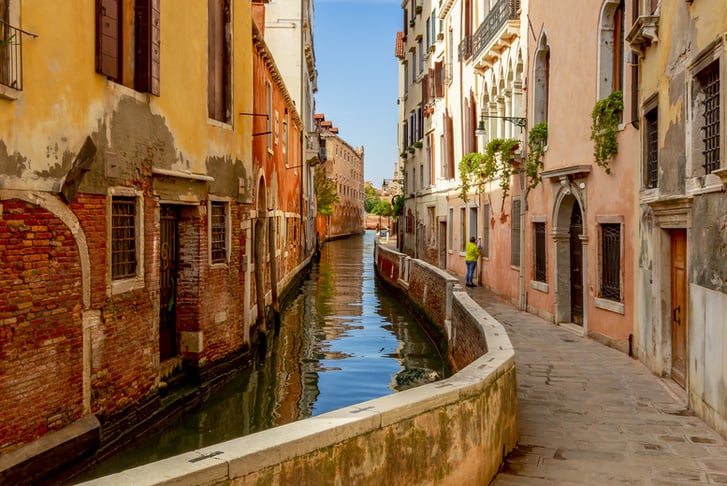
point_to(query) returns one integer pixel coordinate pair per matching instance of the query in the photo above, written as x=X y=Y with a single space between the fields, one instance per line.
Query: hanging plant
x=477 y=169
x=537 y=140
x=606 y=117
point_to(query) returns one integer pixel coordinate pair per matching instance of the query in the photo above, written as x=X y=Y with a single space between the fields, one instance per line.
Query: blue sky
x=357 y=77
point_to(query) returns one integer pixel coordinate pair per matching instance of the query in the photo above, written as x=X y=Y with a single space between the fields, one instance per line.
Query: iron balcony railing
x=11 y=55
x=502 y=11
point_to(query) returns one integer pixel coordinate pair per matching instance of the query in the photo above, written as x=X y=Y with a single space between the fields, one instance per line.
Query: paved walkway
x=588 y=414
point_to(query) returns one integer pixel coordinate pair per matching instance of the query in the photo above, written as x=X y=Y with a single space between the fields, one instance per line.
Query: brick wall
x=40 y=324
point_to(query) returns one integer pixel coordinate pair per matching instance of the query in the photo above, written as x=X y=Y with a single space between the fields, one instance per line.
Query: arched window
x=611 y=48
x=541 y=76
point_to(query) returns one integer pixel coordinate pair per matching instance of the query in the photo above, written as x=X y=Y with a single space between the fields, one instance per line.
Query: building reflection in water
x=342 y=340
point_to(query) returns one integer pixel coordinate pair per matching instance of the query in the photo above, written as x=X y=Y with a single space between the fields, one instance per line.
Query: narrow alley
x=588 y=414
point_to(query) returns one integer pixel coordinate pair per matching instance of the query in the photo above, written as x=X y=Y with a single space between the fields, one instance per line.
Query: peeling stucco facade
x=680 y=312
x=130 y=217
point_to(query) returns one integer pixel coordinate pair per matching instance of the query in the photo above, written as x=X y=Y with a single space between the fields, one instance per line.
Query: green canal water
x=342 y=340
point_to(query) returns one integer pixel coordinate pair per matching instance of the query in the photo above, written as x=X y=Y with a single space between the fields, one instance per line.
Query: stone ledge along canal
x=342 y=340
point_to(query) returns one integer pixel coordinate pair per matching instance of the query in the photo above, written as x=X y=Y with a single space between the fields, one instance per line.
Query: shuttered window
x=146 y=76
x=108 y=38
x=218 y=60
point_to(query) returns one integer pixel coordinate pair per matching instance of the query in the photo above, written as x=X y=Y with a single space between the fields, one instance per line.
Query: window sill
x=648 y=195
x=609 y=305
x=219 y=124
x=8 y=93
x=710 y=183
x=218 y=265
x=126 y=285
x=539 y=286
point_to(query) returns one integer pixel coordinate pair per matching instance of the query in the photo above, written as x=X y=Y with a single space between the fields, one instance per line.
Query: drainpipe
x=523 y=204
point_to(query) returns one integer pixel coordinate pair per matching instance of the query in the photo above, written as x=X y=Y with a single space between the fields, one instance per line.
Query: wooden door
x=168 y=283
x=576 y=266
x=679 y=306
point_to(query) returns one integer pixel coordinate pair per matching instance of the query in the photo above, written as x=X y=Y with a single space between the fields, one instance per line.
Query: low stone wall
x=454 y=431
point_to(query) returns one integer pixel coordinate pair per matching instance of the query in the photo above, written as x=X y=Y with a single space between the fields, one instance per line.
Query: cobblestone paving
x=588 y=414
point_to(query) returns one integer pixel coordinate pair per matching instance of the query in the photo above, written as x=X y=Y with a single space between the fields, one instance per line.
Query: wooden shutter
x=425 y=89
x=147 y=46
x=439 y=79
x=108 y=38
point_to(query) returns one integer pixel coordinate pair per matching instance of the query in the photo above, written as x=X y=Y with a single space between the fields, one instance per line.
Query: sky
x=354 y=43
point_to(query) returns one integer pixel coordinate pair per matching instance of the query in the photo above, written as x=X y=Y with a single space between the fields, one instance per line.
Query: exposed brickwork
x=428 y=289
x=469 y=340
x=40 y=324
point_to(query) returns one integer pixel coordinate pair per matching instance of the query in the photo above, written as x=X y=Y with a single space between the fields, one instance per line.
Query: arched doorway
x=569 y=239
x=576 y=265
x=259 y=252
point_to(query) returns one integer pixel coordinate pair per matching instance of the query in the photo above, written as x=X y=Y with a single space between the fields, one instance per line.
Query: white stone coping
x=238 y=457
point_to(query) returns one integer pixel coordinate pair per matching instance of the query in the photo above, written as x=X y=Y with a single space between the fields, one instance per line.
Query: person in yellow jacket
x=472 y=254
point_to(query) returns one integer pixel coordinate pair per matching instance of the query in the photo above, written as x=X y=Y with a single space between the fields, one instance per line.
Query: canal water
x=342 y=340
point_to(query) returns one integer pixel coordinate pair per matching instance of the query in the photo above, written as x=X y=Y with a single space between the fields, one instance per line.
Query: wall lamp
x=515 y=120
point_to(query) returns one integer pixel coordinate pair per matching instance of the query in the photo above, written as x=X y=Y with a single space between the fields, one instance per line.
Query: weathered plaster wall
x=686 y=31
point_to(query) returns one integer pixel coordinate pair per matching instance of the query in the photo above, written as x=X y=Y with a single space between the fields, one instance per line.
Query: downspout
x=523 y=208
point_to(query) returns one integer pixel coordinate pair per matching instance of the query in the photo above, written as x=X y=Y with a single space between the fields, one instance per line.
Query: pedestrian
x=472 y=254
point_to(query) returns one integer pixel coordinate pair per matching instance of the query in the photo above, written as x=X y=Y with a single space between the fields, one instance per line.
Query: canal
x=342 y=340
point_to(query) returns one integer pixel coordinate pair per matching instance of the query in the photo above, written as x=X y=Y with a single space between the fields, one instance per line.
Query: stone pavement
x=588 y=414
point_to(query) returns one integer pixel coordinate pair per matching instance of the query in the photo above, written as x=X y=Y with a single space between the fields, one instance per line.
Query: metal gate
x=576 y=264
x=168 y=282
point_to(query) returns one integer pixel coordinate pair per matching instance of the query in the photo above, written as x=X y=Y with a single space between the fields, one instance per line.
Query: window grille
x=611 y=261
x=123 y=238
x=219 y=233
x=515 y=233
x=540 y=273
x=710 y=90
x=652 y=149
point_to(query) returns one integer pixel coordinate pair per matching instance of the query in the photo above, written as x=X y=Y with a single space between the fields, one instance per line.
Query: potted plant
x=418 y=9
x=411 y=149
x=411 y=23
x=418 y=144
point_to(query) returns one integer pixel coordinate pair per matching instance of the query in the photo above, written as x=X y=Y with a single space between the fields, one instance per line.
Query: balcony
x=11 y=58
x=497 y=31
x=315 y=151
x=643 y=33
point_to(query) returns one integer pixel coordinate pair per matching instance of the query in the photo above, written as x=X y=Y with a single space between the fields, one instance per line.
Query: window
x=11 y=49
x=219 y=93
x=708 y=80
x=269 y=118
x=218 y=232
x=276 y=128
x=542 y=81
x=450 y=229
x=486 y=232
x=420 y=48
x=611 y=261
x=706 y=119
x=431 y=219
x=462 y=229
x=651 y=143
x=611 y=47
x=112 y=45
x=286 y=123
x=123 y=238
x=539 y=244
x=515 y=233
x=472 y=230
x=428 y=29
